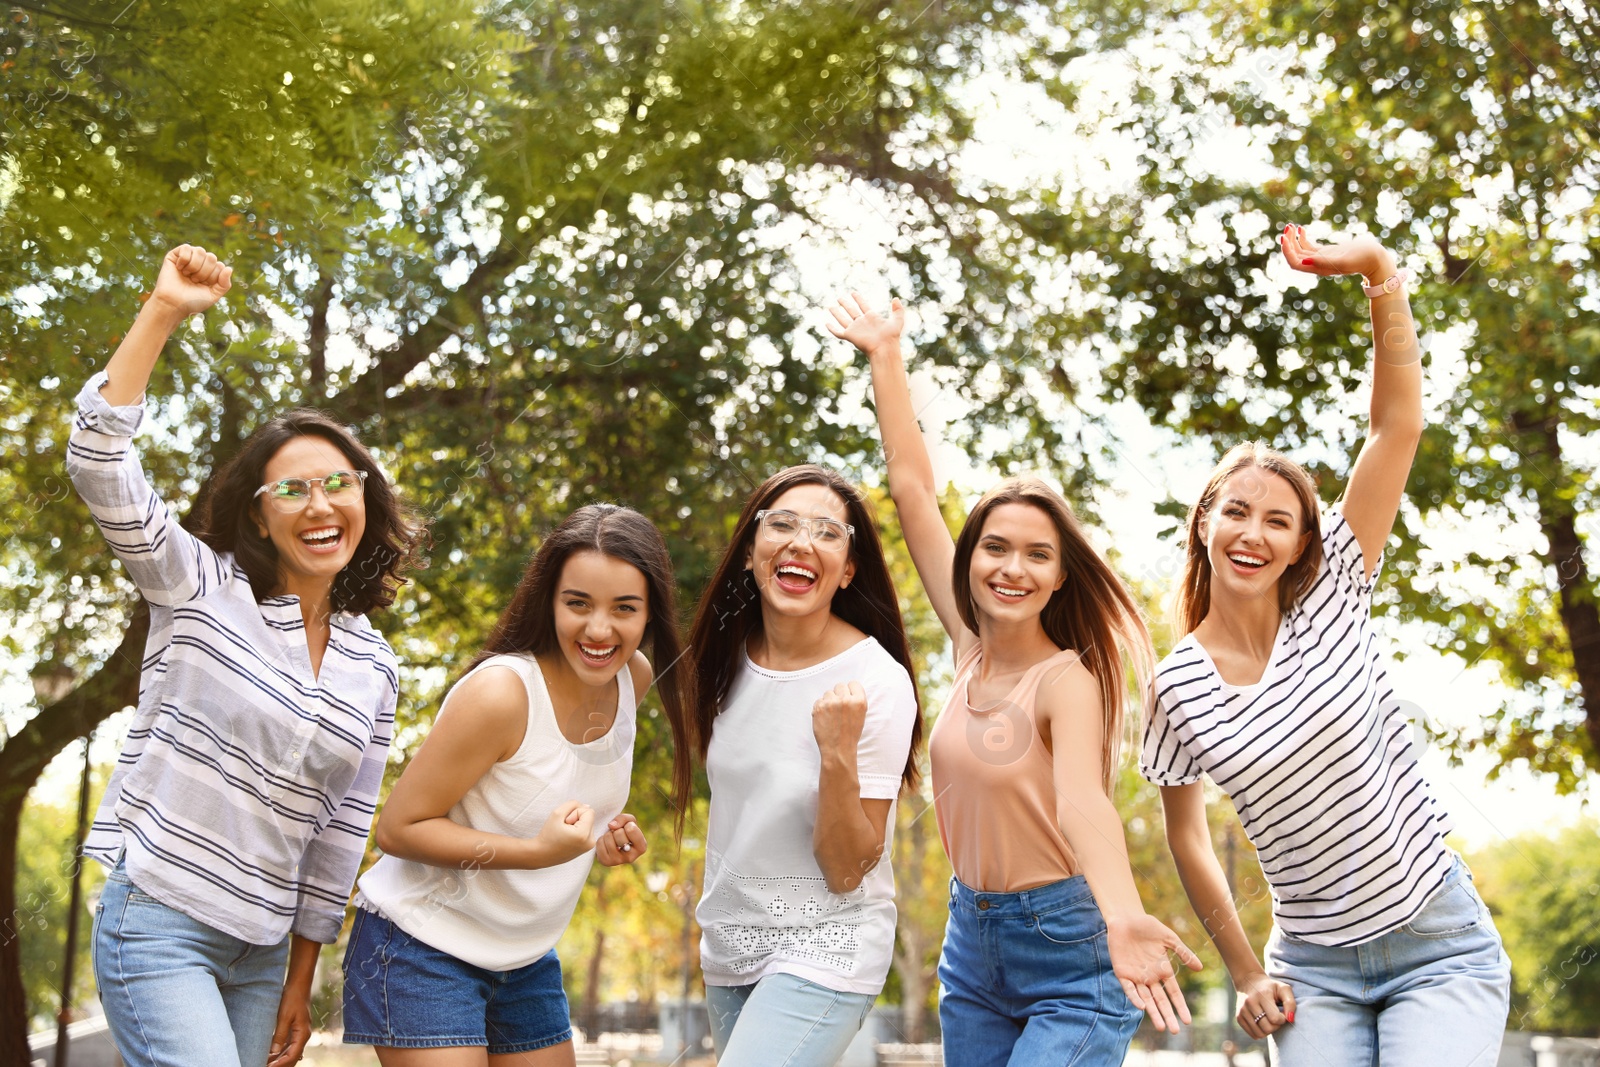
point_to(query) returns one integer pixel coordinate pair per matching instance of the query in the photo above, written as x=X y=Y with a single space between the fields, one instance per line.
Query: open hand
x=1139 y=948
x=853 y=321
x=191 y=280
x=1363 y=255
x=622 y=842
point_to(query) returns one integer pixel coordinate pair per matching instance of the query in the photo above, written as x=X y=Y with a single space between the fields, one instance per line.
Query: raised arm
x=166 y=562
x=1069 y=705
x=1264 y=1004
x=911 y=485
x=483 y=723
x=1378 y=479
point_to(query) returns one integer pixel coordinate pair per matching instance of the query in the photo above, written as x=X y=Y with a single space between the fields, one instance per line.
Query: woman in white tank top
x=491 y=831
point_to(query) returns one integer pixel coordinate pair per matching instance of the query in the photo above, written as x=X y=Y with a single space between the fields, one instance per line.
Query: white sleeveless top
x=500 y=920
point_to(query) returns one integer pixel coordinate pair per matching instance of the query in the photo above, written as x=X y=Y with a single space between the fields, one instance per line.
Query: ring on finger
x=1261 y=1016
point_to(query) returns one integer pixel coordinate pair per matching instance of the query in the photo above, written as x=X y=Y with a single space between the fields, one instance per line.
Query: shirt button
x=294 y=755
x=983 y=905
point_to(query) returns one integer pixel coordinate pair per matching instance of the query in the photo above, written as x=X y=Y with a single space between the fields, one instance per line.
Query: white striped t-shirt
x=1317 y=757
x=246 y=788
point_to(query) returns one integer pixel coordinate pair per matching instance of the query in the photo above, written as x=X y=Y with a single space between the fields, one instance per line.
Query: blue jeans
x=1025 y=979
x=783 y=1021
x=177 y=992
x=1435 y=991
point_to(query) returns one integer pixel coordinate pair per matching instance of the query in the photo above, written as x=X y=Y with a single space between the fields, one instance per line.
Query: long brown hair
x=390 y=545
x=730 y=610
x=1092 y=613
x=1194 y=595
x=528 y=624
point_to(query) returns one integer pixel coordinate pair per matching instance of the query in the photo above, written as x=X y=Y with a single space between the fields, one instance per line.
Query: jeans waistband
x=1039 y=900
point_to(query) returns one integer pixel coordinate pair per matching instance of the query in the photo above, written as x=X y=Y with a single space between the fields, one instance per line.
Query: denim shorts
x=1025 y=979
x=402 y=993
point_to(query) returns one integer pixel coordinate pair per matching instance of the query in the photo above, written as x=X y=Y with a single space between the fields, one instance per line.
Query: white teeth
x=1248 y=561
x=790 y=568
x=1015 y=594
x=601 y=652
x=321 y=537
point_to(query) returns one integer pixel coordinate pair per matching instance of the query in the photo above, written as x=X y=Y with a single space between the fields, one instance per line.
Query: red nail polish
x=1309 y=259
x=1290 y=1016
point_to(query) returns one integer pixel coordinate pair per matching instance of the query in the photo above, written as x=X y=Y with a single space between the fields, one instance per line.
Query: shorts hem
x=530 y=1046
x=391 y=1041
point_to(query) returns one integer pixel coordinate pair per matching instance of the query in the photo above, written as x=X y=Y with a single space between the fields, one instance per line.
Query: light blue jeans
x=1025 y=980
x=1436 y=991
x=783 y=1021
x=177 y=992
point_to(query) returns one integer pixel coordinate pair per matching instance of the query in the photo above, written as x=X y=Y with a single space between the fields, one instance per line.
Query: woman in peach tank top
x=1049 y=956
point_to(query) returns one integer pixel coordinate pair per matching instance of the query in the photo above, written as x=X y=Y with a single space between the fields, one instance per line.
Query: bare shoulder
x=640 y=673
x=1068 y=688
x=492 y=705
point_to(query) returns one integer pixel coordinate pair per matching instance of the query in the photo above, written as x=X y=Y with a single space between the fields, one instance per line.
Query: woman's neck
x=1012 y=647
x=1247 y=626
x=315 y=595
x=795 y=642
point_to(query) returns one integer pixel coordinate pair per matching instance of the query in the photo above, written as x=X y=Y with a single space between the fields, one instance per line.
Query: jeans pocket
x=1453 y=911
x=1067 y=927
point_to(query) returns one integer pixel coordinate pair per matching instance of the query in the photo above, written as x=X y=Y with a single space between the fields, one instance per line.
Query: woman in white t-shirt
x=1381 y=950
x=809 y=725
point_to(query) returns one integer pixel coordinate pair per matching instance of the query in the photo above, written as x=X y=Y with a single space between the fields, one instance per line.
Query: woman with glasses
x=809 y=726
x=239 y=809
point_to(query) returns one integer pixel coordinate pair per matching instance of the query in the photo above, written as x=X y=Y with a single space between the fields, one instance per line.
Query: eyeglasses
x=829 y=535
x=291 y=495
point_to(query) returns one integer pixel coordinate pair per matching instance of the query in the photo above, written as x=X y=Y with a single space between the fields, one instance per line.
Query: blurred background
x=543 y=254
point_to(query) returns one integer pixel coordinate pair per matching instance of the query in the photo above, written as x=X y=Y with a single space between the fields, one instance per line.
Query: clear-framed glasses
x=291 y=495
x=828 y=535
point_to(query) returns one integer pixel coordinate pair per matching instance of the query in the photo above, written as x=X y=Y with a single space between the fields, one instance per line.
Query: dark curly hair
x=390 y=545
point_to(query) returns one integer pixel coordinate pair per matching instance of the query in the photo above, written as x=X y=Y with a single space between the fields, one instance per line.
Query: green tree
x=1464 y=136
x=1544 y=892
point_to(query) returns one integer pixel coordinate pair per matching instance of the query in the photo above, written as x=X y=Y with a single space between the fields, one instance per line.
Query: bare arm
x=191 y=280
x=916 y=498
x=1378 y=479
x=1189 y=838
x=848 y=838
x=483 y=724
x=1069 y=702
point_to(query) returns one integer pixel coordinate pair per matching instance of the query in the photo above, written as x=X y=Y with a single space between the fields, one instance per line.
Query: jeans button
x=983 y=905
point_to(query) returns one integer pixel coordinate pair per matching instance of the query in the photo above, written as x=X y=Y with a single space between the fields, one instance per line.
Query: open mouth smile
x=1245 y=562
x=597 y=655
x=322 y=540
x=1010 y=592
x=794 y=577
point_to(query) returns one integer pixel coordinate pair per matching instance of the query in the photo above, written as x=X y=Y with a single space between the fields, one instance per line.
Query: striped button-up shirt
x=246 y=789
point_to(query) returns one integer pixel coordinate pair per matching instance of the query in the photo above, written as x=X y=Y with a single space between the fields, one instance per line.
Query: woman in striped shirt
x=1381 y=951
x=239 y=809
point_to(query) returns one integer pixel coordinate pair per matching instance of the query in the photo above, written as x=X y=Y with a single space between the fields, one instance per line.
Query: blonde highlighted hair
x=1092 y=613
x=1194 y=595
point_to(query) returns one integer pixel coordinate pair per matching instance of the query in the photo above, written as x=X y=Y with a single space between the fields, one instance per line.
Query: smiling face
x=317 y=542
x=602 y=607
x=1016 y=564
x=796 y=576
x=1253 y=534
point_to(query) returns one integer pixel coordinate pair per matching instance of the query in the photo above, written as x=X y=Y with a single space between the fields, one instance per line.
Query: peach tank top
x=994 y=787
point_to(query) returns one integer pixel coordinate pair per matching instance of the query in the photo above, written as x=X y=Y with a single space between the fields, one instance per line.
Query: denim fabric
x=403 y=993
x=1435 y=991
x=1025 y=979
x=783 y=1021
x=177 y=992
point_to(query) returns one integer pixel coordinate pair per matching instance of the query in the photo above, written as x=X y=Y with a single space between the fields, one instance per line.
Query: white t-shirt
x=766 y=908
x=1317 y=757
x=504 y=919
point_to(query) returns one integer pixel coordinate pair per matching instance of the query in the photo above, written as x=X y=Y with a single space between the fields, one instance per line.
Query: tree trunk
x=1580 y=615
x=591 y=988
x=317 y=363
x=912 y=943
x=113 y=687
